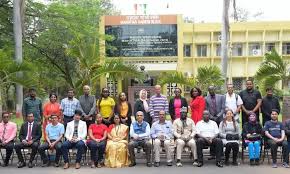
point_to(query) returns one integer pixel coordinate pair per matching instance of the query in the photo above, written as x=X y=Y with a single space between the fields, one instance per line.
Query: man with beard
x=269 y=102
x=32 y=104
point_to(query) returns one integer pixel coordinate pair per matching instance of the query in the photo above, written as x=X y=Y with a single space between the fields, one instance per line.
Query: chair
x=4 y=156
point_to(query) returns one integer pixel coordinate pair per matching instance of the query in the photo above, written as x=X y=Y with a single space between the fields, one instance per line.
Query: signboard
x=140 y=36
x=286 y=108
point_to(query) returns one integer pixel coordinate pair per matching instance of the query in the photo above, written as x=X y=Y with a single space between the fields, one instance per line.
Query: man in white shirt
x=75 y=134
x=233 y=101
x=207 y=132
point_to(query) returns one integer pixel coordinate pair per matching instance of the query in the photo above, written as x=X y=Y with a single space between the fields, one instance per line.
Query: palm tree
x=209 y=75
x=175 y=77
x=272 y=70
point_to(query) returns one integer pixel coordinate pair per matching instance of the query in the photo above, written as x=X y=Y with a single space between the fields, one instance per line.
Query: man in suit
x=75 y=134
x=29 y=136
x=215 y=104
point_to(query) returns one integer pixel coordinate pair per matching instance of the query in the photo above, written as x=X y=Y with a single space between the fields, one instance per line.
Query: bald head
x=86 y=89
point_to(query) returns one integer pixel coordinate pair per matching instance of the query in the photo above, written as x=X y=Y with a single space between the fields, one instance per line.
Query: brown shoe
x=78 y=165
x=66 y=166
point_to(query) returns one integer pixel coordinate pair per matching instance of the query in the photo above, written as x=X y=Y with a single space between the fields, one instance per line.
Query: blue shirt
x=142 y=130
x=69 y=106
x=165 y=129
x=54 y=132
x=274 y=128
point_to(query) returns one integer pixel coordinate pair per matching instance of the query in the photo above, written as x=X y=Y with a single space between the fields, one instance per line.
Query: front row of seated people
x=119 y=149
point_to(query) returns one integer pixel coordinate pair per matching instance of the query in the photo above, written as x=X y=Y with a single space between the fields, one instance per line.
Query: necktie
x=29 y=132
x=4 y=132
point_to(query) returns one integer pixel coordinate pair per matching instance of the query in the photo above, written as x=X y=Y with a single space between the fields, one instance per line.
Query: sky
x=207 y=10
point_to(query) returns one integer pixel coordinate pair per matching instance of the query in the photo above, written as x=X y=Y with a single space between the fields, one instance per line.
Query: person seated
x=252 y=135
x=207 y=132
x=140 y=137
x=54 y=133
x=75 y=134
x=8 y=132
x=29 y=136
x=162 y=134
x=230 y=135
x=274 y=130
x=184 y=132
x=97 y=141
x=117 y=144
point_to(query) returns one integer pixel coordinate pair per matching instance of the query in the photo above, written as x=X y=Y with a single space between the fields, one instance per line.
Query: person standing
x=105 y=106
x=252 y=100
x=176 y=103
x=32 y=104
x=157 y=103
x=75 y=134
x=142 y=104
x=197 y=104
x=8 y=131
x=29 y=136
x=54 y=134
x=233 y=102
x=269 y=102
x=123 y=109
x=162 y=135
x=51 y=108
x=68 y=106
x=215 y=104
x=88 y=106
x=275 y=131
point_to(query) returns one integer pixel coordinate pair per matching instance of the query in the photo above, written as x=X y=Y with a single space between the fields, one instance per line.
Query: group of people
x=105 y=127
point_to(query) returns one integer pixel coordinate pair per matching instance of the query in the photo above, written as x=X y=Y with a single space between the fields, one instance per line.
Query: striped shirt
x=156 y=104
x=69 y=106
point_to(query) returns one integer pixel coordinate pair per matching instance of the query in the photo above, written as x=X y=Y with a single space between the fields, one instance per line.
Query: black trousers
x=9 y=150
x=216 y=145
x=232 y=146
x=20 y=145
x=274 y=146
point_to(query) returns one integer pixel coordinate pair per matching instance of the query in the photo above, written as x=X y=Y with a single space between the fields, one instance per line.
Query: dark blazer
x=171 y=106
x=36 y=132
x=220 y=107
x=129 y=113
x=140 y=107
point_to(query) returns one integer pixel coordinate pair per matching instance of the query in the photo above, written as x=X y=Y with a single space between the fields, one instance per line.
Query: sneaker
x=195 y=163
x=285 y=165
x=56 y=164
x=179 y=164
x=149 y=164
x=199 y=164
x=274 y=165
x=156 y=164
x=169 y=163
x=219 y=164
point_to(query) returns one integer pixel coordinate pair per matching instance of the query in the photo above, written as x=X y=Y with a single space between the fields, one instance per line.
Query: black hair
x=275 y=110
x=51 y=94
x=198 y=90
x=78 y=112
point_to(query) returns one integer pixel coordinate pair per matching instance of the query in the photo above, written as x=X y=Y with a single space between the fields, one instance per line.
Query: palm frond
x=175 y=77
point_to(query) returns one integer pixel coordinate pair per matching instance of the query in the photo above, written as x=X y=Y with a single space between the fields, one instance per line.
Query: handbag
x=232 y=137
x=254 y=137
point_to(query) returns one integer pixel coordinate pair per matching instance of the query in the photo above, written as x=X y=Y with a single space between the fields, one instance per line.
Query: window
x=187 y=50
x=201 y=50
x=218 y=50
x=170 y=89
x=238 y=84
x=237 y=49
x=255 y=49
x=112 y=86
x=286 y=48
x=269 y=47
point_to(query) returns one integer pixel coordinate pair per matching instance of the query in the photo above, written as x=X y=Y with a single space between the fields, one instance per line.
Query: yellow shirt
x=106 y=106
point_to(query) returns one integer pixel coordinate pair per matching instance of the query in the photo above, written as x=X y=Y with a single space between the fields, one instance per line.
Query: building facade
x=192 y=45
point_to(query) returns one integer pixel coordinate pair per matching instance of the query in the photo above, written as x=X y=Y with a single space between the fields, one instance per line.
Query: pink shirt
x=10 y=131
x=177 y=106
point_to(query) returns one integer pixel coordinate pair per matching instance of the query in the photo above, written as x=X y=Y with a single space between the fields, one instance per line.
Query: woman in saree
x=117 y=145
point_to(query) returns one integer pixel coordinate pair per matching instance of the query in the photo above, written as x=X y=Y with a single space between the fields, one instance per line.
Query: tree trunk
x=17 y=28
x=224 y=41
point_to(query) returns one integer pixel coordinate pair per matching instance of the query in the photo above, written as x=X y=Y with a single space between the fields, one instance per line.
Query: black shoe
x=169 y=163
x=235 y=163
x=132 y=164
x=56 y=164
x=199 y=164
x=219 y=164
x=21 y=164
x=156 y=164
x=149 y=164
x=257 y=162
x=30 y=165
x=44 y=164
x=252 y=162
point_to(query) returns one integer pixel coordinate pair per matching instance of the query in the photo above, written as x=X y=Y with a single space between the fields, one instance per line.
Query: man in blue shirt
x=54 y=133
x=68 y=107
x=162 y=133
x=275 y=131
x=140 y=137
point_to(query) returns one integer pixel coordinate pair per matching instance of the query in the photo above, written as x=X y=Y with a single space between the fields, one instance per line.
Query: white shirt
x=28 y=129
x=233 y=103
x=207 y=129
